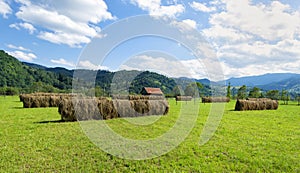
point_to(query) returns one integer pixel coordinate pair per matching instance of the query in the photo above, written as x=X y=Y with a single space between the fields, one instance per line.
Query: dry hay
x=37 y=100
x=21 y=96
x=100 y=108
x=215 y=99
x=107 y=109
x=135 y=108
x=66 y=110
x=86 y=109
x=183 y=98
x=258 y=99
x=258 y=104
x=140 y=105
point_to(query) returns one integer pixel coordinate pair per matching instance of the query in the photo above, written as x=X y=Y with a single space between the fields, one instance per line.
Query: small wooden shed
x=151 y=91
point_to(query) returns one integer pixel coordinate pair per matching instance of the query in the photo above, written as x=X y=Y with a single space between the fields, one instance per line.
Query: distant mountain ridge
x=262 y=80
x=22 y=74
x=269 y=81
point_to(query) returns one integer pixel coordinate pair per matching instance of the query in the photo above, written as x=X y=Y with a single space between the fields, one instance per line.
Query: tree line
x=254 y=92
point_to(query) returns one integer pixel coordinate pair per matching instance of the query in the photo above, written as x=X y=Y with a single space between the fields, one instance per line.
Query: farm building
x=151 y=91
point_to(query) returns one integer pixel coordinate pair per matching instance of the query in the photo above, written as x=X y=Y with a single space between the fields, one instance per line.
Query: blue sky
x=248 y=37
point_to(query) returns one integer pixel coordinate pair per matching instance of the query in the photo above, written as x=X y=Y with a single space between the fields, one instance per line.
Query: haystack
x=259 y=104
x=215 y=99
x=37 y=100
x=102 y=108
x=183 y=98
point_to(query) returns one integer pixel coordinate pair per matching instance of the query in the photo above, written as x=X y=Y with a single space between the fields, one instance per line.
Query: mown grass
x=33 y=140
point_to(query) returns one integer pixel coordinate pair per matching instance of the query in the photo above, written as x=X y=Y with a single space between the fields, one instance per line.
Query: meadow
x=35 y=140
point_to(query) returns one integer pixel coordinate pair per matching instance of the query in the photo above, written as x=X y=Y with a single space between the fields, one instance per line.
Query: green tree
x=177 y=90
x=99 y=91
x=11 y=91
x=242 y=92
x=285 y=97
x=36 y=87
x=273 y=94
x=228 y=91
x=3 y=91
x=192 y=90
x=255 y=92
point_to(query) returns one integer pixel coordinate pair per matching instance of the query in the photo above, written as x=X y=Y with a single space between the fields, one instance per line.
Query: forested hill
x=28 y=77
x=14 y=73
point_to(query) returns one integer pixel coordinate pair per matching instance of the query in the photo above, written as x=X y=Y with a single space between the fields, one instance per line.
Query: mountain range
x=22 y=74
x=270 y=81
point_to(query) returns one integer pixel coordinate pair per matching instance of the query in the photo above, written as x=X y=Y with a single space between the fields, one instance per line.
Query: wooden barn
x=152 y=91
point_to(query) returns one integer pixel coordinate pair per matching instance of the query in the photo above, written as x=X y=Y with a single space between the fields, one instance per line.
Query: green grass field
x=33 y=140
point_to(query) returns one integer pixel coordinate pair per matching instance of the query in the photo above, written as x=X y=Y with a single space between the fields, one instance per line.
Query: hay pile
x=215 y=99
x=140 y=105
x=135 y=108
x=37 y=100
x=256 y=104
x=183 y=98
x=103 y=108
x=86 y=109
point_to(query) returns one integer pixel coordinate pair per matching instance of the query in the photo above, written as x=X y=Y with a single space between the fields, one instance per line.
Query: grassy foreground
x=32 y=140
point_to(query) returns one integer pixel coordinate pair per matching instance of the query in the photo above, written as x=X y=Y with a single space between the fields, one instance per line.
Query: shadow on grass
x=51 y=121
x=17 y=108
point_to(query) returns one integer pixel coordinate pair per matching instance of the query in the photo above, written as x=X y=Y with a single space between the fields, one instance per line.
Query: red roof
x=153 y=90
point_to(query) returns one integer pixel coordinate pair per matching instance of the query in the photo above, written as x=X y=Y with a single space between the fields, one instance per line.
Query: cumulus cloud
x=155 y=8
x=25 y=25
x=255 y=38
x=89 y=65
x=270 y=22
x=11 y=46
x=185 y=25
x=22 y=55
x=202 y=7
x=4 y=8
x=190 y=23
x=65 y=22
x=62 y=61
x=165 y=65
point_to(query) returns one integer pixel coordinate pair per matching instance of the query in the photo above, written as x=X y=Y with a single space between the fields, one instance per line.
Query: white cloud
x=4 y=8
x=191 y=23
x=72 y=40
x=202 y=7
x=255 y=38
x=62 y=61
x=91 y=66
x=270 y=22
x=25 y=25
x=63 y=22
x=166 y=65
x=223 y=34
x=155 y=8
x=28 y=26
x=22 y=55
x=18 y=47
x=260 y=69
x=185 y=25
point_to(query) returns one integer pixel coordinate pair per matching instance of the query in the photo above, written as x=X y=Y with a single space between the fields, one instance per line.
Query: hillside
x=26 y=77
x=292 y=84
x=13 y=73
